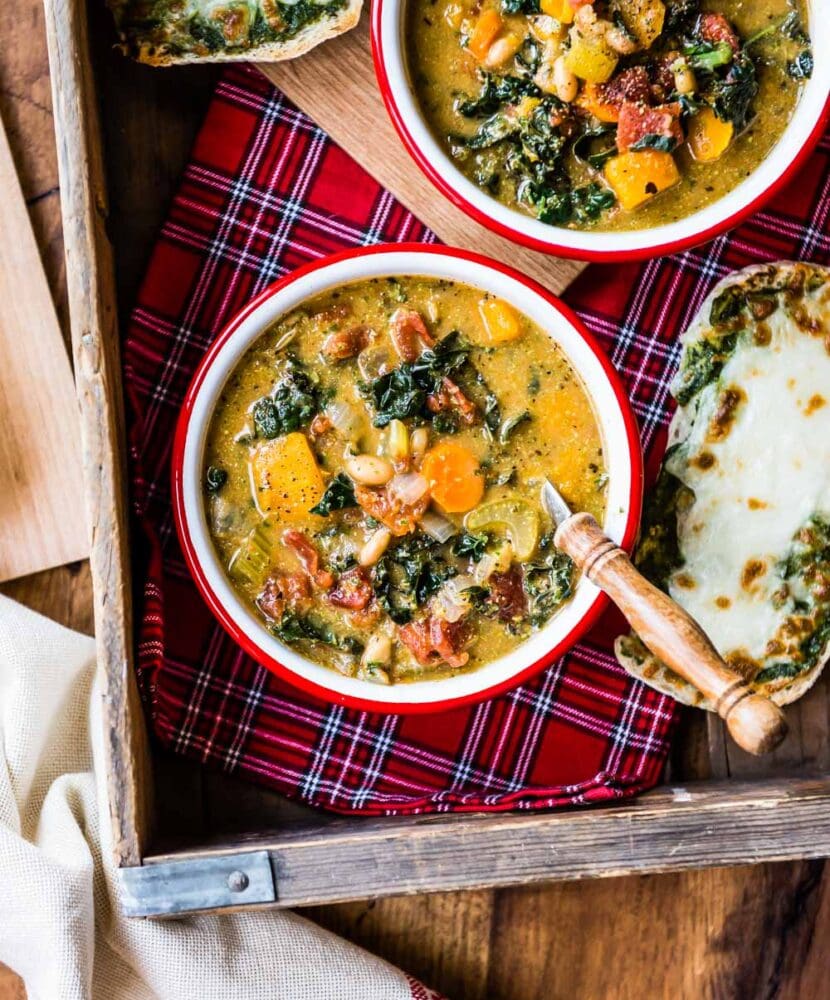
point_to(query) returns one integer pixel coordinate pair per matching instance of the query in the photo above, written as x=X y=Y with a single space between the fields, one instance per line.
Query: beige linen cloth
x=60 y=925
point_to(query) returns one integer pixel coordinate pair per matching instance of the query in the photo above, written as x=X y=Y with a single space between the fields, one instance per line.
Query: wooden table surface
x=752 y=932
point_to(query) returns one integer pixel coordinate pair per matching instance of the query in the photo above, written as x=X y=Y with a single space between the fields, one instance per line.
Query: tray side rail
x=700 y=825
x=95 y=347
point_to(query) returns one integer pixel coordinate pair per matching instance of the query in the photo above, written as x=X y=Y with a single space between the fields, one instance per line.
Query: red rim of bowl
x=245 y=641
x=552 y=247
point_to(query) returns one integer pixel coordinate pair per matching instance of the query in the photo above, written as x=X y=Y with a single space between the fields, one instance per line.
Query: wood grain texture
x=42 y=513
x=331 y=84
x=95 y=343
x=692 y=934
x=667 y=829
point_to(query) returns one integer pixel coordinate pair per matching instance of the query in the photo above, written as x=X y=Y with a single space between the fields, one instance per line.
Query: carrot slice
x=484 y=33
x=454 y=477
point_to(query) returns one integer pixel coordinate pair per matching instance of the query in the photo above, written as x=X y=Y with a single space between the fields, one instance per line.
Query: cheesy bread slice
x=161 y=32
x=738 y=525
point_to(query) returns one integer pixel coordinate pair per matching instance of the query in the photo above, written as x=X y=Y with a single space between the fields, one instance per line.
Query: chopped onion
x=346 y=419
x=374 y=361
x=451 y=600
x=450 y=609
x=408 y=487
x=438 y=527
x=485 y=567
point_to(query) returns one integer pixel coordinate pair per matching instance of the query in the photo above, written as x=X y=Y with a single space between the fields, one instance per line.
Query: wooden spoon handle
x=755 y=723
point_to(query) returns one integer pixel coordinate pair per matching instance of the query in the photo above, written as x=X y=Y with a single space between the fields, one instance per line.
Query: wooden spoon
x=753 y=721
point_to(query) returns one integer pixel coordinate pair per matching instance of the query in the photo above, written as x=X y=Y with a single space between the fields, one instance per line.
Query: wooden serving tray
x=719 y=807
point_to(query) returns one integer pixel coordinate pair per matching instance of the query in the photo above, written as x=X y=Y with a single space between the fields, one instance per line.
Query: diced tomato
x=662 y=76
x=308 y=556
x=346 y=342
x=353 y=590
x=409 y=334
x=366 y=618
x=715 y=28
x=450 y=397
x=637 y=122
x=434 y=640
x=399 y=518
x=507 y=594
x=282 y=591
x=319 y=426
x=631 y=85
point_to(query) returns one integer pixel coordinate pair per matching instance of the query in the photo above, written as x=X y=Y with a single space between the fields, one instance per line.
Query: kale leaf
x=294 y=628
x=449 y=355
x=396 y=396
x=339 y=495
x=510 y=425
x=471 y=545
x=658 y=553
x=520 y=6
x=727 y=305
x=702 y=363
x=495 y=91
x=215 y=479
x=585 y=204
x=663 y=143
x=207 y=32
x=680 y=16
x=548 y=581
x=296 y=16
x=292 y=404
x=733 y=97
x=402 y=392
x=706 y=57
x=406 y=576
x=585 y=147
x=801 y=68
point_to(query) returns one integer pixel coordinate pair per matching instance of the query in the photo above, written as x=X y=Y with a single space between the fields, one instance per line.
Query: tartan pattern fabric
x=266 y=191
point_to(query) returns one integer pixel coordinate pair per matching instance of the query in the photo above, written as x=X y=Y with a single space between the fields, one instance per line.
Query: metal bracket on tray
x=204 y=883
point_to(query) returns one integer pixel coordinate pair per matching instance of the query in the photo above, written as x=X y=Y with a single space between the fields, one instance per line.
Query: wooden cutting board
x=42 y=520
x=335 y=85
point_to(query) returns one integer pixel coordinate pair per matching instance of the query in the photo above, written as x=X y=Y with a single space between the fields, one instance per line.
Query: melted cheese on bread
x=770 y=474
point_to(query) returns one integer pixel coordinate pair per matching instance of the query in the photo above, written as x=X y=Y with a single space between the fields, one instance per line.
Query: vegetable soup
x=611 y=114
x=373 y=471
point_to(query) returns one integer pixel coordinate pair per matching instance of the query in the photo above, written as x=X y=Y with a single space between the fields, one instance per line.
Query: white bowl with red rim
x=810 y=119
x=621 y=448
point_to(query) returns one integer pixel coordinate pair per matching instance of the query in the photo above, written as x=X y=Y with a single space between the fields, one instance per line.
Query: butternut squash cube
x=286 y=481
x=639 y=175
x=560 y=9
x=709 y=137
x=590 y=58
x=501 y=321
x=643 y=18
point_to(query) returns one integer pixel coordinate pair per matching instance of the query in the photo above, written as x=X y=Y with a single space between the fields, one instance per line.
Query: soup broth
x=373 y=472
x=544 y=114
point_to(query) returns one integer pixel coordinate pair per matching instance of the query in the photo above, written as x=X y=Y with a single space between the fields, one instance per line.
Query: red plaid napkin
x=266 y=191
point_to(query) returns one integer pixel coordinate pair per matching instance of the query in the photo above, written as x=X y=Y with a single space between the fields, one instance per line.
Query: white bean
x=378 y=649
x=564 y=81
x=585 y=17
x=369 y=470
x=418 y=442
x=620 y=41
x=501 y=50
x=374 y=547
